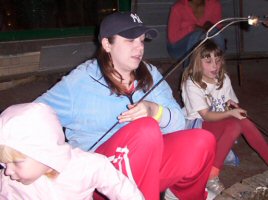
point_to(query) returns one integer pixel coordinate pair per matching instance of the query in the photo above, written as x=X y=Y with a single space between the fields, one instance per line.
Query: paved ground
x=253 y=95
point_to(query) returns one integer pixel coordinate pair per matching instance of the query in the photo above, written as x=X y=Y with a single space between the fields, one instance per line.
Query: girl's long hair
x=141 y=74
x=195 y=70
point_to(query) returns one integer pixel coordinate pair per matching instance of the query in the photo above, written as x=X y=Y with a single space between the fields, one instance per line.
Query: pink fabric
x=182 y=20
x=228 y=130
x=34 y=130
x=29 y=125
x=180 y=161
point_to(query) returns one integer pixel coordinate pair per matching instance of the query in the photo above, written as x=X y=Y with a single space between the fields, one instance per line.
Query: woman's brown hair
x=141 y=74
x=195 y=70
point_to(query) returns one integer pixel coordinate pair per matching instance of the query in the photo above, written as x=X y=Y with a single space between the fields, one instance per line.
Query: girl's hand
x=238 y=113
x=136 y=111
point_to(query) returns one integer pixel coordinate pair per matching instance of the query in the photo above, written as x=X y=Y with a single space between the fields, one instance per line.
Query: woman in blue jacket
x=148 y=144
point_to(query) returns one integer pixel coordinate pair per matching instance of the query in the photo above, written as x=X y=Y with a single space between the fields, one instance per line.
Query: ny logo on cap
x=135 y=18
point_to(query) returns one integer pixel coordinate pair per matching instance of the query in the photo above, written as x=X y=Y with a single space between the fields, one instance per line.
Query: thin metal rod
x=179 y=64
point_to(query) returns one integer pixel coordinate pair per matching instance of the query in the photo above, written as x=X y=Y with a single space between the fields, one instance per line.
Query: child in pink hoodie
x=39 y=164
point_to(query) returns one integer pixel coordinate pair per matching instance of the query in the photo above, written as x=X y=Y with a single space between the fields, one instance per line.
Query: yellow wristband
x=159 y=113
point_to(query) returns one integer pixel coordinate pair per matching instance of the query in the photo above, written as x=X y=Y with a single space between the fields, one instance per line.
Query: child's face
x=211 y=66
x=26 y=170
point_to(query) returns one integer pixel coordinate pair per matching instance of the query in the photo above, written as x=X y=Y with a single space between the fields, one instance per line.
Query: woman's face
x=25 y=170
x=126 y=53
x=211 y=66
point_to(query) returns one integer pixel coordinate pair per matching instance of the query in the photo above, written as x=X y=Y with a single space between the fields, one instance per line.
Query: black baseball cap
x=125 y=24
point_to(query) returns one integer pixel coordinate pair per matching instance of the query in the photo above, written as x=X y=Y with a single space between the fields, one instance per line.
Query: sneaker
x=211 y=195
x=169 y=195
x=215 y=186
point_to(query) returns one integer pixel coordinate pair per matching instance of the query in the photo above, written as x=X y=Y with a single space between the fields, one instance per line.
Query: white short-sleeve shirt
x=195 y=98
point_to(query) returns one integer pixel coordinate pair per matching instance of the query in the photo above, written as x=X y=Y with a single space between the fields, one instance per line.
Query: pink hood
x=34 y=130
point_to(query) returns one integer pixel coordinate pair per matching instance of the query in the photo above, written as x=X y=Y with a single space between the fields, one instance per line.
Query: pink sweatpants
x=228 y=130
x=180 y=161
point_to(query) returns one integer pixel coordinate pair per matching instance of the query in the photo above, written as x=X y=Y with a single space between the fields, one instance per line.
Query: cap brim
x=133 y=33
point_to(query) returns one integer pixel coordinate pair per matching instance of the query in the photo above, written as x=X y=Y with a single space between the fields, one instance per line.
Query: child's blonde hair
x=195 y=70
x=8 y=154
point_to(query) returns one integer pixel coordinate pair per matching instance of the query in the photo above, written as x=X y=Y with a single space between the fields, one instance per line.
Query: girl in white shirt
x=210 y=101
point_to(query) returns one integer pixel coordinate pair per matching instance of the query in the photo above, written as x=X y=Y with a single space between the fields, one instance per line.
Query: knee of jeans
x=197 y=36
x=173 y=52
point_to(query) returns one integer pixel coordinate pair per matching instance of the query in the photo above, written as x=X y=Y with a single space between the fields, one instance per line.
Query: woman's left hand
x=136 y=111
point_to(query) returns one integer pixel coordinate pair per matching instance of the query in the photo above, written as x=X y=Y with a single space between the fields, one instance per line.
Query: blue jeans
x=181 y=48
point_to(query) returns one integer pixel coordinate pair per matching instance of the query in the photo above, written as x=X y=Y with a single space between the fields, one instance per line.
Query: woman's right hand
x=238 y=113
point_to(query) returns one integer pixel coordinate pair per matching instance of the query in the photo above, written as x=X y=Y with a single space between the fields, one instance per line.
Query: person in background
x=210 y=100
x=188 y=23
x=97 y=105
x=39 y=164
